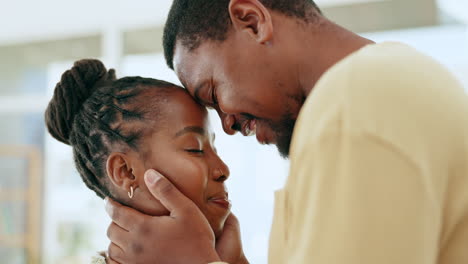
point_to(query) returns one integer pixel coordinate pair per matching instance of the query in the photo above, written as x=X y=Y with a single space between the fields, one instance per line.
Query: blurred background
x=47 y=215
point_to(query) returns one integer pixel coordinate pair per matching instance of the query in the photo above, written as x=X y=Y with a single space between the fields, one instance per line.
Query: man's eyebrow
x=191 y=129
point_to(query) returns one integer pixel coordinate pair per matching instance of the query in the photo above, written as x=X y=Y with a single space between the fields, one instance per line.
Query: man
x=379 y=151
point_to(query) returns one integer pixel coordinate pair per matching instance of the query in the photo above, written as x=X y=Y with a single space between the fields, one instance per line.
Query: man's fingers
x=163 y=190
x=117 y=235
x=232 y=221
x=125 y=217
x=115 y=253
x=231 y=230
x=228 y=245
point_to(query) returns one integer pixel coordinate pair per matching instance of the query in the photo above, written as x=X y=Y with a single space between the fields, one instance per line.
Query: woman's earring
x=130 y=193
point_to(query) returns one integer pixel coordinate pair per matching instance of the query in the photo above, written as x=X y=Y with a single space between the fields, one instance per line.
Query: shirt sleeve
x=98 y=259
x=359 y=199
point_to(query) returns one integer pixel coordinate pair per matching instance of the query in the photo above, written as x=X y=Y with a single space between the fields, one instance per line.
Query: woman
x=119 y=128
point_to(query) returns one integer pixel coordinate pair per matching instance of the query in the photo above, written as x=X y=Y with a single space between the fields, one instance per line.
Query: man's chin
x=283 y=134
x=283 y=140
x=283 y=149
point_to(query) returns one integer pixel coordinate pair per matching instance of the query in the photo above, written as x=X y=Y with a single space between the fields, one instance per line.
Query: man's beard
x=284 y=131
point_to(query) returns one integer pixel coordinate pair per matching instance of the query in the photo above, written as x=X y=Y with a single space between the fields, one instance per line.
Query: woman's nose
x=221 y=174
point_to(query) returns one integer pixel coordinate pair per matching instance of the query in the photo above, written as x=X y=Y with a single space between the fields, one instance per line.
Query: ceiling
x=455 y=8
x=330 y=3
x=67 y=30
x=25 y=21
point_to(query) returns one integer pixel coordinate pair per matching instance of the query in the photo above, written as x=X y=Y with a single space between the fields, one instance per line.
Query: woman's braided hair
x=93 y=111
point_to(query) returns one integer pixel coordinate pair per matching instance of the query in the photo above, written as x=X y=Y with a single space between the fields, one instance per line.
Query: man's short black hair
x=192 y=21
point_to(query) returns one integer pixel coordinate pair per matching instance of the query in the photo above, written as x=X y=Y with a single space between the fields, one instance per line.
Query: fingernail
x=151 y=177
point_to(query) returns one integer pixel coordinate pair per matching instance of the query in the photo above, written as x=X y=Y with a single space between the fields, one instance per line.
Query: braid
x=93 y=112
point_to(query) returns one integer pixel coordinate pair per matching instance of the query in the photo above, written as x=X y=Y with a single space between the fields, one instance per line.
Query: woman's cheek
x=189 y=175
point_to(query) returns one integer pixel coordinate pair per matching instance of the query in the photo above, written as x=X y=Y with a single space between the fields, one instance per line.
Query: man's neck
x=322 y=47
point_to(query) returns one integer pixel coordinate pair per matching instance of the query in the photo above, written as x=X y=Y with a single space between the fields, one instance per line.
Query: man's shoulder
x=389 y=68
x=388 y=89
x=364 y=80
x=372 y=71
x=389 y=54
x=379 y=78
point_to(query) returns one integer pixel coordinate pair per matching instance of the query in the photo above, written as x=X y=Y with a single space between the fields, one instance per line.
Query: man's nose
x=228 y=122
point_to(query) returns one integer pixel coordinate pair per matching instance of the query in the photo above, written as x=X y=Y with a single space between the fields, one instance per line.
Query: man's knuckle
x=141 y=229
x=137 y=248
x=115 y=213
x=141 y=221
x=113 y=252
x=188 y=209
x=109 y=231
x=144 y=229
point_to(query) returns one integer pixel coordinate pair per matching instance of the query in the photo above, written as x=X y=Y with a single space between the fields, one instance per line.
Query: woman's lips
x=221 y=200
x=226 y=204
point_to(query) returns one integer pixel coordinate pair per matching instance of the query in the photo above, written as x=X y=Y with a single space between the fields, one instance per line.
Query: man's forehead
x=190 y=66
x=181 y=62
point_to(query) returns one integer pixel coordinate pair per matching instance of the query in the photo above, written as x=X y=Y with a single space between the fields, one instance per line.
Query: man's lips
x=221 y=199
x=261 y=137
x=249 y=127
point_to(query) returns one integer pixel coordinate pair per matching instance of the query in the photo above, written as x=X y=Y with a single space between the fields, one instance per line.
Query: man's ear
x=252 y=17
x=119 y=171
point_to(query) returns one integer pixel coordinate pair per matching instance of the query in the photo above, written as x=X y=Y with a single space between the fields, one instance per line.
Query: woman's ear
x=253 y=18
x=120 y=172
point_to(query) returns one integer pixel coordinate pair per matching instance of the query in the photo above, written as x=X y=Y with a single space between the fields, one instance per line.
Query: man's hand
x=184 y=236
x=229 y=246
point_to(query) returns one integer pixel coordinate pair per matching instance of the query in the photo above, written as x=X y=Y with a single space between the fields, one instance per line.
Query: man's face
x=247 y=84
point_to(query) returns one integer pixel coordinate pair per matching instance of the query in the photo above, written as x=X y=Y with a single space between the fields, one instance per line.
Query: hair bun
x=74 y=88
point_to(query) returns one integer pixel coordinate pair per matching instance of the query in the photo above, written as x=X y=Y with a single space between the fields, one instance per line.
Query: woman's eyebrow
x=191 y=129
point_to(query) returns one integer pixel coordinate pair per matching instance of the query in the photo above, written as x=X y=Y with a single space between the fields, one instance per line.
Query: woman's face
x=182 y=149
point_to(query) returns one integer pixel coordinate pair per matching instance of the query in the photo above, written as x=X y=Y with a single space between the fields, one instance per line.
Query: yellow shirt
x=378 y=166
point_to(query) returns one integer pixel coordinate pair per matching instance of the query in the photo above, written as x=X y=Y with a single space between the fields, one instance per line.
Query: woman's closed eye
x=193 y=142
x=197 y=151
